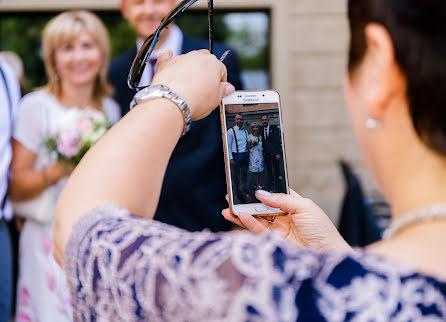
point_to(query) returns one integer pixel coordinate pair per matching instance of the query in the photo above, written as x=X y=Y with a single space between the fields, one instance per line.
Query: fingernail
x=262 y=193
x=229 y=90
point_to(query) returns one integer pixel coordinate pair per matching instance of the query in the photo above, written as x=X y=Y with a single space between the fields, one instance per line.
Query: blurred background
x=297 y=47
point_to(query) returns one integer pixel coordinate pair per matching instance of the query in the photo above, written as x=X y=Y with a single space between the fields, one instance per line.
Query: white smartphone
x=254 y=149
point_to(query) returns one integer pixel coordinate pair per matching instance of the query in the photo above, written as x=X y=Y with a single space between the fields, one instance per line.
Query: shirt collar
x=174 y=42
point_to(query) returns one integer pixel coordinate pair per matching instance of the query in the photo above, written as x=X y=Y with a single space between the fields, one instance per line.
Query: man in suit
x=194 y=186
x=239 y=157
x=272 y=155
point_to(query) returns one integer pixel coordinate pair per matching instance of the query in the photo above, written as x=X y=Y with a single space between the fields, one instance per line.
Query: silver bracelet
x=162 y=91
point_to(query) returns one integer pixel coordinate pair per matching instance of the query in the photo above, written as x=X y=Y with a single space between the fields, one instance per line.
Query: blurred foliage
x=196 y=25
x=21 y=32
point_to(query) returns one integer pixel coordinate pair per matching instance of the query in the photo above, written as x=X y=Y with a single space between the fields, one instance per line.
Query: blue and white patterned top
x=125 y=268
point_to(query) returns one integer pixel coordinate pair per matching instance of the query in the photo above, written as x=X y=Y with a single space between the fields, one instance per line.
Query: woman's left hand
x=303 y=222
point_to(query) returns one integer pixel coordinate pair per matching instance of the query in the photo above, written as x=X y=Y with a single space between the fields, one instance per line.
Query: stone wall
x=318 y=126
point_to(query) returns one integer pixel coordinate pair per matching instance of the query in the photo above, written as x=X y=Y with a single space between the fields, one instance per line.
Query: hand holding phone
x=254 y=149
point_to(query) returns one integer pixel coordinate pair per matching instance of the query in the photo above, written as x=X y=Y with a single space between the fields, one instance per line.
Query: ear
x=123 y=8
x=383 y=77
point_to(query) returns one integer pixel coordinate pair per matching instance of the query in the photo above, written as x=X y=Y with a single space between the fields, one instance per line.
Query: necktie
x=266 y=133
x=152 y=62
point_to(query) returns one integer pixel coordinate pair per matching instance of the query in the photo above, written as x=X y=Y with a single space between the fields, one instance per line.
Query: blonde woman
x=395 y=93
x=255 y=154
x=76 y=55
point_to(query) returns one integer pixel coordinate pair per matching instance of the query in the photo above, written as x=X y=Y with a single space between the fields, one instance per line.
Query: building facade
x=309 y=40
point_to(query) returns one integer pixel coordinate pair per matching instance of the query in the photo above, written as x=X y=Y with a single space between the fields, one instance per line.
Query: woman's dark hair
x=418 y=32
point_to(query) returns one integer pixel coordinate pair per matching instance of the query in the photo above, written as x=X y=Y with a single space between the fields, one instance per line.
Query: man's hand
x=232 y=162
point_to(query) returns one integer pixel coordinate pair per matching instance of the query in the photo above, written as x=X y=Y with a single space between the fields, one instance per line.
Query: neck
x=418 y=183
x=77 y=96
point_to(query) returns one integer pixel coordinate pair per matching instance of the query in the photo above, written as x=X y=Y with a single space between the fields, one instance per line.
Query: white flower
x=69 y=120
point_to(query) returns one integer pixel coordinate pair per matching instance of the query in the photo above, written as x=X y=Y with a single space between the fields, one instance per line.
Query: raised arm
x=126 y=167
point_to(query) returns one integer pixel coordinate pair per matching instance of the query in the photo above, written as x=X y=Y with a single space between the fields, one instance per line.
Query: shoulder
x=126 y=56
x=123 y=60
x=38 y=97
x=8 y=72
x=11 y=81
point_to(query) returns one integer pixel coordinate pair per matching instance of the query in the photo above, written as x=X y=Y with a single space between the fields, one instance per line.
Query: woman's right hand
x=198 y=77
x=58 y=170
x=305 y=223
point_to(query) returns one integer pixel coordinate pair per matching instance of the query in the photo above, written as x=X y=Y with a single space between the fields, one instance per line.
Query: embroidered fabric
x=125 y=268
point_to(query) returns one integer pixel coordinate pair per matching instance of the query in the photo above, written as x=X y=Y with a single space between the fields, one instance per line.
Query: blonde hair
x=66 y=27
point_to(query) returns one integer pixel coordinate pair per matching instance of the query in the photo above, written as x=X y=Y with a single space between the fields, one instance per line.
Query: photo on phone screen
x=255 y=150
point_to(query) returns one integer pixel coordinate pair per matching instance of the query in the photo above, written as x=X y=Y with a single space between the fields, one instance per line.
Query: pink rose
x=68 y=143
x=85 y=125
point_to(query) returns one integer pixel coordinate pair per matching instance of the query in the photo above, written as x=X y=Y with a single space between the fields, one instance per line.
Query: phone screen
x=255 y=150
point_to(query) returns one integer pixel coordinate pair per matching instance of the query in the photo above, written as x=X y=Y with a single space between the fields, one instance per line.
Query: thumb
x=226 y=89
x=163 y=59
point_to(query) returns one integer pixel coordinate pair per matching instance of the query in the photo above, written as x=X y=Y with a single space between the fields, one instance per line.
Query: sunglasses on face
x=149 y=44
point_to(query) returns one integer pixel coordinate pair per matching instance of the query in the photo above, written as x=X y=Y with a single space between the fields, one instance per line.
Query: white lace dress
x=125 y=268
x=42 y=292
x=256 y=154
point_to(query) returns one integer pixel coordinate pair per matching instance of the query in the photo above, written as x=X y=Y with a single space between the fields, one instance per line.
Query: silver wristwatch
x=158 y=91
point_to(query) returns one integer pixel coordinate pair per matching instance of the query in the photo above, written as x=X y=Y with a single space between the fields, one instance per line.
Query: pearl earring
x=372 y=123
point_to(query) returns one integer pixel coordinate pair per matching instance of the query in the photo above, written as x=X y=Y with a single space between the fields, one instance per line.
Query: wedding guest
x=272 y=154
x=238 y=138
x=255 y=144
x=9 y=99
x=198 y=156
x=76 y=54
x=16 y=63
x=123 y=267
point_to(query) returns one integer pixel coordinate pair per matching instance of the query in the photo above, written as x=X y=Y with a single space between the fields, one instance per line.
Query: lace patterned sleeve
x=126 y=268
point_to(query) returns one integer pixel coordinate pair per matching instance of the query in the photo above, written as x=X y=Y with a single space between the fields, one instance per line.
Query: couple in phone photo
x=255 y=152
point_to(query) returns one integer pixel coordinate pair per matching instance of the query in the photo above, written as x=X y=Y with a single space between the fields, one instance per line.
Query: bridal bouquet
x=76 y=132
x=254 y=140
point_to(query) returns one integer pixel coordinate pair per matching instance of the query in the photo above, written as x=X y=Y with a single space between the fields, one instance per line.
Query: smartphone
x=254 y=149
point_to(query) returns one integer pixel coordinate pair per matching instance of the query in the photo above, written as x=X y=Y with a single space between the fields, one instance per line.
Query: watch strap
x=162 y=91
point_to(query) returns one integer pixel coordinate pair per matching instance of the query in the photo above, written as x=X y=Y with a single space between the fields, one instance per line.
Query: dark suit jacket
x=194 y=187
x=272 y=144
x=358 y=224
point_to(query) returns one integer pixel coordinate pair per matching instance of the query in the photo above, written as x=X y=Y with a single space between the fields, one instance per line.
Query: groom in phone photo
x=272 y=155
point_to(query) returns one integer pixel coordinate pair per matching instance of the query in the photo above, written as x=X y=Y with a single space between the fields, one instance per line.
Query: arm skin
x=154 y=125
x=26 y=182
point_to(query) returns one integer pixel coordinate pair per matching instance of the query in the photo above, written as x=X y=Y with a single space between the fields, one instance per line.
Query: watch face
x=153 y=89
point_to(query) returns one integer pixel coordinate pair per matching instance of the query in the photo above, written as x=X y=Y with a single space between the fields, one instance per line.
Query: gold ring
x=270 y=222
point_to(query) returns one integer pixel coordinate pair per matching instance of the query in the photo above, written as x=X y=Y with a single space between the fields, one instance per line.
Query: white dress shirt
x=174 y=42
x=242 y=140
x=6 y=123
